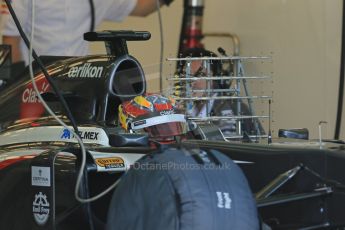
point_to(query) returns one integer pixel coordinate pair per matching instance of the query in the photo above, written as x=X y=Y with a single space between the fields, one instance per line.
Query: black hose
x=93 y=16
x=44 y=71
x=183 y=27
x=161 y=56
x=341 y=80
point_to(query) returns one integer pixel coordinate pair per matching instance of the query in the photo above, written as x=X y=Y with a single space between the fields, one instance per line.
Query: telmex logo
x=86 y=71
x=86 y=135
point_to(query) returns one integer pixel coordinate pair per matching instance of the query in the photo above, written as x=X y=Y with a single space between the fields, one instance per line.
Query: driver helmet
x=153 y=114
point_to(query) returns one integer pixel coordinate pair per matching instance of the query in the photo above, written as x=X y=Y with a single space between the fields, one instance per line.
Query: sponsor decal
x=110 y=163
x=30 y=96
x=66 y=134
x=167 y=112
x=85 y=71
x=224 y=200
x=31 y=107
x=40 y=176
x=40 y=209
x=85 y=135
x=137 y=123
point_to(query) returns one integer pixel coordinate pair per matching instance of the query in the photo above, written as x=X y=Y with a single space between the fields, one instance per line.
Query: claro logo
x=31 y=107
x=85 y=71
x=30 y=96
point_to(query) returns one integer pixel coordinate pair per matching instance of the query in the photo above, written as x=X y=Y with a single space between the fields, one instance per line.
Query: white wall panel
x=302 y=36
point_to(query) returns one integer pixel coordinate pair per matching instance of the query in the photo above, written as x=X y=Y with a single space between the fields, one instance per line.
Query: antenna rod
x=269 y=140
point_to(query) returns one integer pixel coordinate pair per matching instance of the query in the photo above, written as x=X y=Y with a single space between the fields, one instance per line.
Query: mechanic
x=217 y=107
x=155 y=115
x=60 y=24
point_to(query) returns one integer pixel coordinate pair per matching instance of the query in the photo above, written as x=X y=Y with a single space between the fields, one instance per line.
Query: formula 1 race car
x=47 y=181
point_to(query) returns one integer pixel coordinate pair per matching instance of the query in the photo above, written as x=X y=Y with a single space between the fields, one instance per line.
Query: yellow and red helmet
x=154 y=114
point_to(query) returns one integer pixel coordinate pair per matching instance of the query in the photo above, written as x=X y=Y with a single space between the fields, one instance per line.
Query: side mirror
x=294 y=133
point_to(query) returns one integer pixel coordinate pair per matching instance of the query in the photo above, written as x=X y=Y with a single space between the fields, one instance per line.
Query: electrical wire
x=93 y=15
x=183 y=28
x=160 y=22
x=341 y=80
x=46 y=106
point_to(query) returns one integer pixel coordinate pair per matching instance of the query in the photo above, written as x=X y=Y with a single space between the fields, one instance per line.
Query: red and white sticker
x=31 y=107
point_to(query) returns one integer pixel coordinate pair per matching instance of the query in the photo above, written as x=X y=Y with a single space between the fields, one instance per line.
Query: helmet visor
x=167 y=129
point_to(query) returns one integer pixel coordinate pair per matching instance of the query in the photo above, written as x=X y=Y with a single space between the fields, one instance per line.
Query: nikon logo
x=86 y=71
